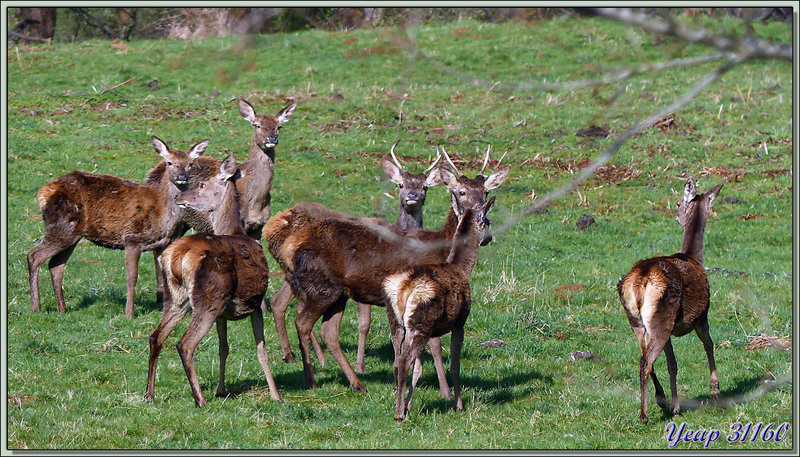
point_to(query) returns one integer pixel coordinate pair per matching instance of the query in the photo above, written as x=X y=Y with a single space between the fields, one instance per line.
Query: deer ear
x=161 y=147
x=488 y=206
x=247 y=111
x=495 y=179
x=198 y=149
x=227 y=168
x=448 y=178
x=392 y=171
x=457 y=209
x=285 y=114
x=712 y=194
x=689 y=190
x=434 y=178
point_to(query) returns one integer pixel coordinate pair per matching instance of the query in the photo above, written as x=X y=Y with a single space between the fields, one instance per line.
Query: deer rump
x=345 y=255
x=652 y=280
x=233 y=267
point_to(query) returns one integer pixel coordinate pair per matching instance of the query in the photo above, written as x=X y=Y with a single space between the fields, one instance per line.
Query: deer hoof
x=643 y=417
x=289 y=358
x=359 y=388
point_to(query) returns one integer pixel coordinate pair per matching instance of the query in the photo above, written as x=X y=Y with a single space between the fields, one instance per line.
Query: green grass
x=76 y=381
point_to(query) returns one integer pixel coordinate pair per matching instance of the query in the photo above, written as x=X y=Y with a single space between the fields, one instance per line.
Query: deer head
x=207 y=195
x=178 y=170
x=472 y=192
x=413 y=187
x=265 y=126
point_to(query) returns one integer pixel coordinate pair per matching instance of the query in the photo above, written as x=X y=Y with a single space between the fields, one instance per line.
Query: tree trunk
x=37 y=22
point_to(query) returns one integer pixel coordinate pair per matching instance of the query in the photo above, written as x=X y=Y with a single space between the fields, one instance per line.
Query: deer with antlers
x=668 y=296
x=337 y=258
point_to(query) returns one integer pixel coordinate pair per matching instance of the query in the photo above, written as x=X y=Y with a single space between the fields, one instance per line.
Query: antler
x=397 y=162
x=438 y=157
x=486 y=160
x=452 y=165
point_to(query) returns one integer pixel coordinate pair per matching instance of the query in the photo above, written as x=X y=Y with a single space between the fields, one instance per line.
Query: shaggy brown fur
x=220 y=277
x=111 y=212
x=668 y=296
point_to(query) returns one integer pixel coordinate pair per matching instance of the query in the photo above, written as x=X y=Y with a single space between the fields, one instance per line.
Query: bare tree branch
x=742 y=48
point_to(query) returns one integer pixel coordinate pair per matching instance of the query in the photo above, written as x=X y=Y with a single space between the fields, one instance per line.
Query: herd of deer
x=420 y=276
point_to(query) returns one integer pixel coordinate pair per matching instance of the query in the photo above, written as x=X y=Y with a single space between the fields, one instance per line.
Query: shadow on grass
x=743 y=391
x=114 y=298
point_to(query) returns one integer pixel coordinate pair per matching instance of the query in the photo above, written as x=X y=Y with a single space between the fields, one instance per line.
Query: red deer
x=413 y=188
x=256 y=181
x=111 y=212
x=668 y=296
x=427 y=301
x=337 y=258
x=218 y=277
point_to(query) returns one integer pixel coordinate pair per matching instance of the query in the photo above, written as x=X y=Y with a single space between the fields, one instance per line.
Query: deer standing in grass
x=336 y=258
x=668 y=296
x=413 y=188
x=218 y=277
x=112 y=213
x=429 y=300
x=255 y=184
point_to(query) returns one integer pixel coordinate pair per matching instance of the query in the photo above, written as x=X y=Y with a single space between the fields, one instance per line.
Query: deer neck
x=226 y=218
x=693 y=237
x=409 y=221
x=259 y=169
x=464 y=251
x=168 y=191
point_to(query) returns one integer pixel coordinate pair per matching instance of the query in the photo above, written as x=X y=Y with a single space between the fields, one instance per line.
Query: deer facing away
x=429 y=300
x=669 y=296
x=336 y=258
x=218 y=277
x=113 y=213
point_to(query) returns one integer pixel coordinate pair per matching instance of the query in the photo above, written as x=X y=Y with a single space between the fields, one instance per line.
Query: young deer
x=668 y=296
x=337 y=258
x=254 y=185
x=220 y=277
x=111 y=212
x=427 y=301
x=413 y=188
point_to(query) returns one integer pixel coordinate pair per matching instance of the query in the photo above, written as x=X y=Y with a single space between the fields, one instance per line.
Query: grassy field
x=544 y=287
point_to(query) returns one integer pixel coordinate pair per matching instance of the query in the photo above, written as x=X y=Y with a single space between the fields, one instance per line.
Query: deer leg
x=654 y=348
x=57 y=265
x=329 y=331
x=304 y=322
x=36 y=258
x=169 y=319
x=279 y=303
x=201 y=323
x=159 y=279
x=222 y=334
x=257 y=322
x=435 y=345
x=708 y=345
x=318 y=350
x=413 y=345
x=132 y=255
x=456 y=343
x=672 y=368
x=364 y=321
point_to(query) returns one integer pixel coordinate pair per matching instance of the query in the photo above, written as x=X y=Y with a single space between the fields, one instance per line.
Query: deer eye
x=169 y=163
x=400 y=186
x=462 y=193
x=257 y=126
x=202 y=185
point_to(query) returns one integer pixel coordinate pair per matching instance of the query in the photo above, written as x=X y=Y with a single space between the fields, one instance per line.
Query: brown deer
x=220 y=277
x=427 y=301
x=111 y=212
x=254 y=185
x=336 y=258
x=413 y=188
x=668 y=296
